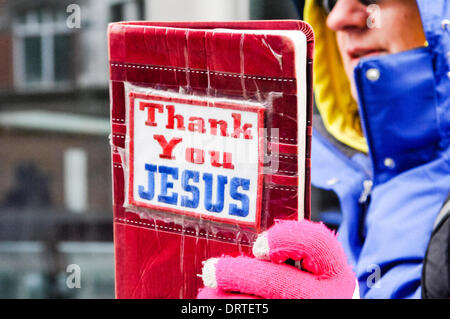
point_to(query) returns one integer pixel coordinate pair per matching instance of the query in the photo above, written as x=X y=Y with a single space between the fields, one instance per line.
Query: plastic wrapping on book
x=205 y=148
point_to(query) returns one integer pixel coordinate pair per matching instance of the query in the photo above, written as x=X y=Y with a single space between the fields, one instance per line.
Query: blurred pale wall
x=94 y=67
x=170 y=10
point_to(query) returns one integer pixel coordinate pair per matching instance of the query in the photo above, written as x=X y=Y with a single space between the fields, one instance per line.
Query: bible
x=211 y=137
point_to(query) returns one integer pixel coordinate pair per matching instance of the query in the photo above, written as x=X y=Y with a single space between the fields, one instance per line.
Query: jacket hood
x=340 y=113
x=338 y=109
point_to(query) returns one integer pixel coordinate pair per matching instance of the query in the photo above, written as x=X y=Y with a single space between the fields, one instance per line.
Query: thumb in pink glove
x=324 y=270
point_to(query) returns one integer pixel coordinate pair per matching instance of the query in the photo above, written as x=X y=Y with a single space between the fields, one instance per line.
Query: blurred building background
x=55 y=174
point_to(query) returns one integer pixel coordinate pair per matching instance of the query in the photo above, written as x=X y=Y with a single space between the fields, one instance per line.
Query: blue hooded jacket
x=391 y=196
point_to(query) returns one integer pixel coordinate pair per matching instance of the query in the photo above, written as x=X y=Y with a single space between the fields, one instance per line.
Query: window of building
x=280 y=9
x=43 y=46
x=117 y=12
x=122 y=10
x=140 y=9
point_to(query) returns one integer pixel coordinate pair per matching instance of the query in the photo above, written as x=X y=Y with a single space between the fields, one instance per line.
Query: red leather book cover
x=211 y=137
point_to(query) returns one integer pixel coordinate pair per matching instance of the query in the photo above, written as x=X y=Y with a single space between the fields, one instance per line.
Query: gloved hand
x=324 y=270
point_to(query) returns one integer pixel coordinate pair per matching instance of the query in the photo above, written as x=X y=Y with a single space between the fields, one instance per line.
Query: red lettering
x=197 y=124
x=151 y=111
x=171 y=117
x=195 y=155
x=245 y=130
x=167 y=148
x=223 y=127
x=226 y=160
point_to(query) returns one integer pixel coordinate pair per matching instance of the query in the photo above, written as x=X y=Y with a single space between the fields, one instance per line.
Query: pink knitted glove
x=324 y=270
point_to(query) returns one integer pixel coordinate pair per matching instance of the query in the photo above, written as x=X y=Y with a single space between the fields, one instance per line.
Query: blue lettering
x=234 y=185
x=214 y=195
x=185 y=201
x=165 y=185
x=221 y=181
x=148 y=195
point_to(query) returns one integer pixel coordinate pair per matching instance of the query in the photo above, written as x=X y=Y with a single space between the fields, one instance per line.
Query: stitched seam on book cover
x=252 y=77
x=207 y=235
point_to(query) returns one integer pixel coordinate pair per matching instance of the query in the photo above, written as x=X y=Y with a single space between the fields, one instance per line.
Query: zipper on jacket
x=364 y=202
x=367 y=190
x=365 y=196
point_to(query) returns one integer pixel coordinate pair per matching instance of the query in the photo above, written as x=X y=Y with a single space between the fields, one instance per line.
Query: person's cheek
x=344 y=56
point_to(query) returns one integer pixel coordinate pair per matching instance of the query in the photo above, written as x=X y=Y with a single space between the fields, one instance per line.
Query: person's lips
x=358 y=53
